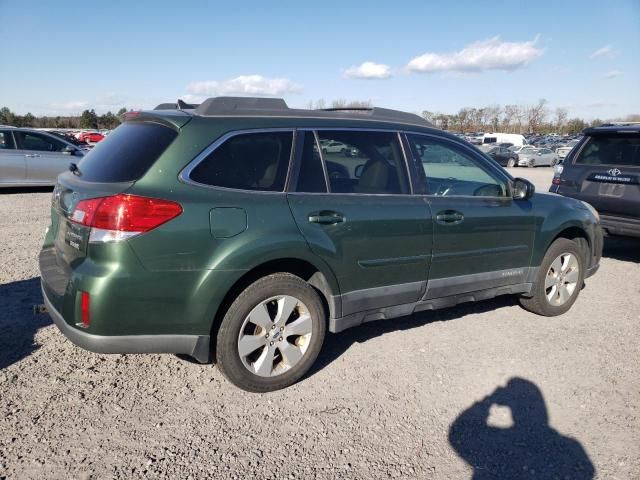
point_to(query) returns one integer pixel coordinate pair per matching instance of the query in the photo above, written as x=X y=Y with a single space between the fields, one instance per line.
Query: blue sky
x=61 y=57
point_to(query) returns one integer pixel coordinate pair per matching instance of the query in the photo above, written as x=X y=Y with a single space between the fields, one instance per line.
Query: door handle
x=326 y=217
x=31 y=155
x=449 y=217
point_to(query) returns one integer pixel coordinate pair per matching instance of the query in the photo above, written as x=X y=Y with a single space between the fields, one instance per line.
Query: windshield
x=619 y=149
x=127 y=153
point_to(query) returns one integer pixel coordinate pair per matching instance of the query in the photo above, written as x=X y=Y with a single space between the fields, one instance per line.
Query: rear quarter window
x=248 y=161
x=619 y=150
x=126 y=153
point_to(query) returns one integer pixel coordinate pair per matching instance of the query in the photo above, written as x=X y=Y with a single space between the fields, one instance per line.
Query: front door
x=355 y=209
x=482 y=237
x=13 y=165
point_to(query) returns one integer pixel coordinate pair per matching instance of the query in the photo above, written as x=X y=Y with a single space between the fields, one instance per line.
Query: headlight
x=593 y=211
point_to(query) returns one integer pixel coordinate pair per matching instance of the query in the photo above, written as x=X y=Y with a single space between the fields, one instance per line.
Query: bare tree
x=561 y=118
x=536 y=114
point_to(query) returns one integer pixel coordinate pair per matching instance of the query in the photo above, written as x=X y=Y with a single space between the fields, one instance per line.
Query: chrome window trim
x=185 y=174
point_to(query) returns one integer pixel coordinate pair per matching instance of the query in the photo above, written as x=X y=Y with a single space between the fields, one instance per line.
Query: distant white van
x=517 y=139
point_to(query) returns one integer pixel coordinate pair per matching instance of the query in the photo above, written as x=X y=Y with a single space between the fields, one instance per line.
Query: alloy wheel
x=562 y=279
x=275 y=336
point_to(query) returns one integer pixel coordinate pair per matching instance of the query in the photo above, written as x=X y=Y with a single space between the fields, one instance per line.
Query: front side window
x=248 y=161
x=365 y=162
x=444 y=169
x=620 y=149
x=39 y=142
x=6 y=141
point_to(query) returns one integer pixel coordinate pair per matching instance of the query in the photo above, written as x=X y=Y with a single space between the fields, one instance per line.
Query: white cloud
x=368 y=70
x=244 y=85
x=612 y=74
x=69 y=106
x=604 y=52
x=491 y=54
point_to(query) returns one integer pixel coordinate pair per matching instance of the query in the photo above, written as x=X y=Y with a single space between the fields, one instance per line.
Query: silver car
x=538 y=157
x=32 y=157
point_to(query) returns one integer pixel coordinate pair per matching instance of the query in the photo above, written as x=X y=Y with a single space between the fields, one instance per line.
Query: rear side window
x=127 y=153
x=364 y=162
x=248 y=161
x=620 y=149
x=6 y=141
x=39 y=142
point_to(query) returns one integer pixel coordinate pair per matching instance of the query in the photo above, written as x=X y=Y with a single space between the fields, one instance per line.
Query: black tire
x=531 y=163
x=228 y=356
x=538 y=302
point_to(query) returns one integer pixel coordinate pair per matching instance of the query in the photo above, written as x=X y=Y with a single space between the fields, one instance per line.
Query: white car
x=333 y=146
x=538 y=157
x=564 y=151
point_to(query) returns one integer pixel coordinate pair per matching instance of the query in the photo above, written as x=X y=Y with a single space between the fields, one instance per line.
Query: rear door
x=605 y=171
x=355 y=209
x=13 y=165
x=482 y=237
x=43 y=155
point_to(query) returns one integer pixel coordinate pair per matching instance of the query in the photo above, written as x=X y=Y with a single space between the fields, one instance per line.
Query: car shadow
x=18 y=190
x=335 y=345
x=626 y=249
x=18 y=322
x=525 y=446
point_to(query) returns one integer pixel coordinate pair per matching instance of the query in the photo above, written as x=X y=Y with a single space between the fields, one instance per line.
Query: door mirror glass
x=522 y=189
x=358 y=171
x=68 y=150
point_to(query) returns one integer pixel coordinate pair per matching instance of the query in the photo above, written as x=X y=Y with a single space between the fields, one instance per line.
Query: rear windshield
x=621 y=150
x=126 y=153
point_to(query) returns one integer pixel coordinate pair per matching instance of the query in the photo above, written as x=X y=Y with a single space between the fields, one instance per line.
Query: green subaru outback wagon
x=240 y=231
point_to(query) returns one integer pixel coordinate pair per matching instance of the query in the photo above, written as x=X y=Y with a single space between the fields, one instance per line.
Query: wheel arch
x=577 y=234
x=322 y=280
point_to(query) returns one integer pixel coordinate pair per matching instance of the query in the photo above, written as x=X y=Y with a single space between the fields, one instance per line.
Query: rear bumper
x=195 y=345
x=629 y=227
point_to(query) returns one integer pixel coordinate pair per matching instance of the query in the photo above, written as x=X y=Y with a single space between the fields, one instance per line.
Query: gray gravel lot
x=417 y=397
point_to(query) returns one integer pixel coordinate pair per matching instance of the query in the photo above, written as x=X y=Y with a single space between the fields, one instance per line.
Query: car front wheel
x=511 y=163
x=271 y=334
x=559 y=280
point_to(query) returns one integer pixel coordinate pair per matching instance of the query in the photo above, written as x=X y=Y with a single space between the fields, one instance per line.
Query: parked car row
x=523 y=156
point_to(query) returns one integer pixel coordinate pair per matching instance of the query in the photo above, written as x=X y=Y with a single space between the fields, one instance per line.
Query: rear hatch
x=605 y=172
x=111 y=168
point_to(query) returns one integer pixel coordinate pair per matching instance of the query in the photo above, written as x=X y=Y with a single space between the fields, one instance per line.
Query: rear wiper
x=73 y=168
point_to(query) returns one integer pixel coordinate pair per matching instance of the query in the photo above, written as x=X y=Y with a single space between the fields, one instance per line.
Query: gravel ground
x=477 y=388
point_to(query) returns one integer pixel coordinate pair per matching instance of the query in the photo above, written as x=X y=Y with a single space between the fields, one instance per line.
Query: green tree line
x=89 y=119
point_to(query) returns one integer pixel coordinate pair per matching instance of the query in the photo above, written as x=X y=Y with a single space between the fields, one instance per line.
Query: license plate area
x=71 y=239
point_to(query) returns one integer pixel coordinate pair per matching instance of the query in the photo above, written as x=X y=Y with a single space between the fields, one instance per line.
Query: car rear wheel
x=271 y=334
x=511 y=163
x=531 y=163
x=559 y=280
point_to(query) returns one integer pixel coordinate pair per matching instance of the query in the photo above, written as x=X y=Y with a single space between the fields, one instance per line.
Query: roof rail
x=377 y=113
x=260 y=106
x=240 y=105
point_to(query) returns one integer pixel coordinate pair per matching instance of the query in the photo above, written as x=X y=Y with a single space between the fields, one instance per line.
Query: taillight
x=84 y=309
x=123 y=216
x=556 y=181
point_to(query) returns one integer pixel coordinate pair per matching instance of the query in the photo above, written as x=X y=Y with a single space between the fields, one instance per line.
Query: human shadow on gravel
x=336 y=344
x=626 y=249
x=18 y=323
x=529 y=448
x=18 y=190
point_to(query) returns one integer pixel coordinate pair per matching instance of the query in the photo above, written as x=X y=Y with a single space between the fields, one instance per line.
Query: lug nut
x=272 y=327
x=266 y=336
x=281 y=329
x=280 y=339
x=271 y=343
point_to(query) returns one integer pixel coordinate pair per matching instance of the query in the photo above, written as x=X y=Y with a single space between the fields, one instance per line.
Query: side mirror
x=359 y=170
x=69 y=150
x=522 y=189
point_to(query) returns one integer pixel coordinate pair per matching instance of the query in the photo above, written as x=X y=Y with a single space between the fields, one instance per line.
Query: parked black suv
x=604 y=170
